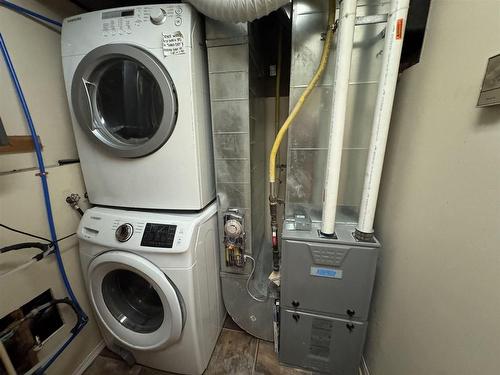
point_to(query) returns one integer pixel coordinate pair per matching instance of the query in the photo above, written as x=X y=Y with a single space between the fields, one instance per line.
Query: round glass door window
x=133 y=301
x=128 y=104
x=124 y=99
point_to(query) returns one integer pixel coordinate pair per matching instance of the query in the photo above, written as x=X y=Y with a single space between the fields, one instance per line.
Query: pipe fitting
x=363 y=236
x=73 y=200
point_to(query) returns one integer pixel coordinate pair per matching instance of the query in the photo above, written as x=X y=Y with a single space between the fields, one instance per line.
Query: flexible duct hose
x=237 y=10
x=300 y=103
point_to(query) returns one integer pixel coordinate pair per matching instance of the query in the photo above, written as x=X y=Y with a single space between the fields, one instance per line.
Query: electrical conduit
x=383 y=109
x=82 y=317
x=345 y=37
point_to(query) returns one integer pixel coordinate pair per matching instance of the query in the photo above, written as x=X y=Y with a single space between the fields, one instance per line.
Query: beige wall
x=35 y=51
x=436 y=304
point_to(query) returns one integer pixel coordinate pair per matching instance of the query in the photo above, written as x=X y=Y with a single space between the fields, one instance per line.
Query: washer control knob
x=158 y=16
x=124 y=232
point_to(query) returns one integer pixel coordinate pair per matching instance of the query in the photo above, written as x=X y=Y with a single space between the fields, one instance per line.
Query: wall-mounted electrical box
x=490 y=91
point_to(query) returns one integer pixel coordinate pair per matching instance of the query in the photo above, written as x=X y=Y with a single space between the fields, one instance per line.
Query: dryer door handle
x=87 y=85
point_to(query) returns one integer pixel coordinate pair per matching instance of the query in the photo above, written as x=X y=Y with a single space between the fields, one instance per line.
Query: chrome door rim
x=83 y=112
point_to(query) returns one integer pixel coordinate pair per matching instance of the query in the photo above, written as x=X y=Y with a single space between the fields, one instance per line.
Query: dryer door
x=124 y=99
x=135 y=301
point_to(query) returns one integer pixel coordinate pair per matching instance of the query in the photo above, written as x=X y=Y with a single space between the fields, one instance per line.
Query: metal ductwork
x=237 y=10
x=240 y=170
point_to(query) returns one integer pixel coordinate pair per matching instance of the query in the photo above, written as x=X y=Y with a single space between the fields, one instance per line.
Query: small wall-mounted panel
x=490 y=92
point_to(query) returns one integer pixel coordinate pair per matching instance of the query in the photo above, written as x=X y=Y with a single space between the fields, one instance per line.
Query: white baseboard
x=89 y=358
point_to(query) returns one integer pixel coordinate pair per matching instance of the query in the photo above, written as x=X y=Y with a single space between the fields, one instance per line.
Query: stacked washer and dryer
x=137 y=85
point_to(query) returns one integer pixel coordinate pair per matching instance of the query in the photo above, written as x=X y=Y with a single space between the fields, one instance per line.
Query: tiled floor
x=236 y=353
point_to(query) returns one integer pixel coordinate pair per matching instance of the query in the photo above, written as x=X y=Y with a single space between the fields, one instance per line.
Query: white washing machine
x=137 y=86
x=153 y=281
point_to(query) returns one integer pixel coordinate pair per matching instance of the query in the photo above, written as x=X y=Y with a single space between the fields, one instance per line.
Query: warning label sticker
x=399 y=29
x=173 y=44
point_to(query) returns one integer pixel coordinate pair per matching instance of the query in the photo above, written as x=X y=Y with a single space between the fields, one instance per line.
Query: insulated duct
x=237 y=10
x=240 y=167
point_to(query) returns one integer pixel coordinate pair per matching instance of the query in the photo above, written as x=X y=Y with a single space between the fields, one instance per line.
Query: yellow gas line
x=298 y=106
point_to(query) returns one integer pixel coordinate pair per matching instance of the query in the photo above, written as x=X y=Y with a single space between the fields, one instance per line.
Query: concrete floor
x=236 y=353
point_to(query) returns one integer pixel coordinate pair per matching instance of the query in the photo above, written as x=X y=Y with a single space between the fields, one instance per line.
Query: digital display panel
x=158 y=235
x=117 y=13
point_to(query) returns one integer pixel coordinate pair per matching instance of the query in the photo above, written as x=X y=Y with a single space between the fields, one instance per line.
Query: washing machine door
x=135 y=301
x=124 y=99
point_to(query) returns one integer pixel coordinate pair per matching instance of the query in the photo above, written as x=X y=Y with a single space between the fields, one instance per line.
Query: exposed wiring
x=25 y=233
x=65 y=237
x=24 y=11
x=34 y=235
x=264 y=299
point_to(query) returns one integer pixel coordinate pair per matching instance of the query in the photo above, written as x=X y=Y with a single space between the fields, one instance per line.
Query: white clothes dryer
x=137 y=85
x=153 y=281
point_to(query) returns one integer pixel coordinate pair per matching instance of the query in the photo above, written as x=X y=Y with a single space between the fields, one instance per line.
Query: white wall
x=35 y=51
x=436 y=304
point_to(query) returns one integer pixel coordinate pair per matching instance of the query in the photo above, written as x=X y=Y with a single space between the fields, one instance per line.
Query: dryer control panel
x=148 y=27
x=123 y=21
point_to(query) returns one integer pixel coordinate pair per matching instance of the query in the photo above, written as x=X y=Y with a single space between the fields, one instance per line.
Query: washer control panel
x=124 y=21
x=159 y=235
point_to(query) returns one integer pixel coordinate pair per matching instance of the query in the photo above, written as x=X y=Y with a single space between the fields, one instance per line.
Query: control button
x=178 y=21
x=158 y=16
x=178 y=10
x=124 y=232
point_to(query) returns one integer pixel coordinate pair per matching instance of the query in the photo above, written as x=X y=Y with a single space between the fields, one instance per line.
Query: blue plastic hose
x=30 y=13
x=82 y=318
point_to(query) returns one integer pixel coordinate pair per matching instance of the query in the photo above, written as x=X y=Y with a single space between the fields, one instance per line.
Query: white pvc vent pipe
x=346 y=22
x=395 y=28
x=237 y=10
